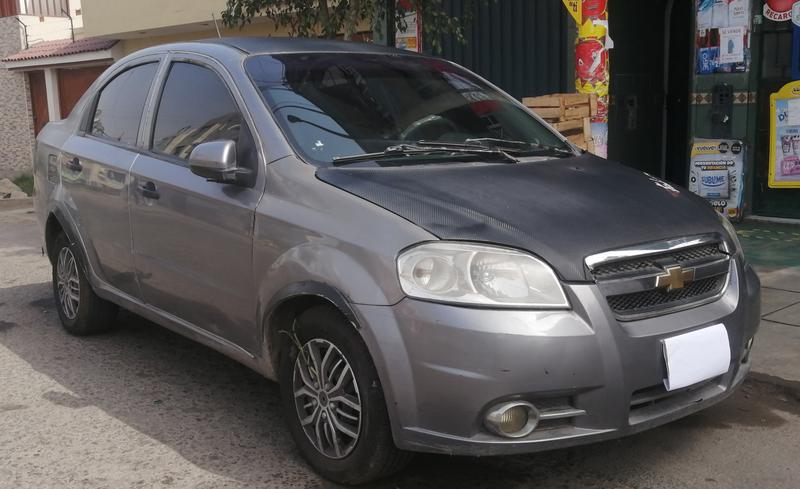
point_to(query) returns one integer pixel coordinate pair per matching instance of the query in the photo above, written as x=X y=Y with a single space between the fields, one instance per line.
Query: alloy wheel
x=68 y=283
x=327 y=398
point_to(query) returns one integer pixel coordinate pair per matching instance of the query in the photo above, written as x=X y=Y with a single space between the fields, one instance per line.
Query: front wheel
x=81 y=311
x=333 y=401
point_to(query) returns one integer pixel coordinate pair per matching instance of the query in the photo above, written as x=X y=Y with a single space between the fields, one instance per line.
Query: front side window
x=196 y=106
x=347 y=104
x=120 y=104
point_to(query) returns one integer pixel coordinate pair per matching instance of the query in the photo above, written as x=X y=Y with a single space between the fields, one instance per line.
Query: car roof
x=275 y=45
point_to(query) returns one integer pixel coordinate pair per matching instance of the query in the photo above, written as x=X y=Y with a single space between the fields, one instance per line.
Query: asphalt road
x=143 y=407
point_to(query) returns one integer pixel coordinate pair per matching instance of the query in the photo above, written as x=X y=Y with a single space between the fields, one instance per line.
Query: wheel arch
x=287 y=305
x=55 y=225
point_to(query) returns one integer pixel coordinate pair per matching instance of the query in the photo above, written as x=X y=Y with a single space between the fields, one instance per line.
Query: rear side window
x=120 y=104
x=196 y=106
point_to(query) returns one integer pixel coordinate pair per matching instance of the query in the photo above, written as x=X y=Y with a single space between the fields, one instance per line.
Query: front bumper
x=443 y=366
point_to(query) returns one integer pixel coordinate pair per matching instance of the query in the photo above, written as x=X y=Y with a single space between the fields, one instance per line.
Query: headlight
x=480 y=275
x=734 y=239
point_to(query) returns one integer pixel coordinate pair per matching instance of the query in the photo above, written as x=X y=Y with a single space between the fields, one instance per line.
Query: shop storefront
x=744 y=53
x=778 y=66
x=689 y=85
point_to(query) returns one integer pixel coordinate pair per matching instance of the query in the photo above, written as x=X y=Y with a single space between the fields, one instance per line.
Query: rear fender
x=76 y=241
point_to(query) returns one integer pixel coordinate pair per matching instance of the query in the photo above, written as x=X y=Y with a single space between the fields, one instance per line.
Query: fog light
x=512 y=419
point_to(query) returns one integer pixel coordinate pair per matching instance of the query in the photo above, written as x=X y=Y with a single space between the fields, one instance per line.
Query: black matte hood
x=561 y=210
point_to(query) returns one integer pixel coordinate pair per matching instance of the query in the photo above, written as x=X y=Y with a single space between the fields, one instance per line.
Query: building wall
x=116 y=18
x=262 y=28
x=51 y=28
x=16 y=119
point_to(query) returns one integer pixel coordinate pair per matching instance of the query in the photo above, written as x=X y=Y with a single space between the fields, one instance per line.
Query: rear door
x=95 y=165
x=193 y=239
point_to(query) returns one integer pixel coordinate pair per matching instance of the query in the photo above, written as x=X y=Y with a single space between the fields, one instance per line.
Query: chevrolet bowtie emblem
x=675 y=278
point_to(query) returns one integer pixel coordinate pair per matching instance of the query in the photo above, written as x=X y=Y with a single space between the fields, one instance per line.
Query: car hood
x=562 y=210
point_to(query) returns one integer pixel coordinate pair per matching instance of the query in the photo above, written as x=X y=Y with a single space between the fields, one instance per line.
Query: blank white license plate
x=696 y=356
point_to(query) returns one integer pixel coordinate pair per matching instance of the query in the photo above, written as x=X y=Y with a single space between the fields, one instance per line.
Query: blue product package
x=707 y=60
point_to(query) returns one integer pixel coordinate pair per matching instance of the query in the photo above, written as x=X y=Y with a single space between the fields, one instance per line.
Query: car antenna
x=214 y=18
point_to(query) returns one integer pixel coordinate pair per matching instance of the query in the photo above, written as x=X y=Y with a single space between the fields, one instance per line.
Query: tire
x=89 y=314
x=372 y=454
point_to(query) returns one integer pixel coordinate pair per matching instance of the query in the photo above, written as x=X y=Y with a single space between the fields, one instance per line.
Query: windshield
x=338 y=105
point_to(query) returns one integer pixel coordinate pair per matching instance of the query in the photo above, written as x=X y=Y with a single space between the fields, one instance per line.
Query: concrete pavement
x=774 y=251
x=143 y=407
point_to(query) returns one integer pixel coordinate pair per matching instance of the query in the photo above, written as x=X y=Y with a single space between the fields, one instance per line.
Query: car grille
x=650 y=264
x=630 y=284
x=648 y=300
x=653 y=402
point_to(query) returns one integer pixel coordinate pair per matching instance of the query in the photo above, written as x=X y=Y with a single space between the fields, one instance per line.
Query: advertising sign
x=723 y=36
x=592 y=75
x=409 y=39
x=731 y=42
x=717 y=174
x=784 y=151
x=574 y=7
x=778 y=10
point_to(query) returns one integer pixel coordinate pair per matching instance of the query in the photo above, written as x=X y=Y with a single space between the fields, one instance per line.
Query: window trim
x=224 y=76
x=85 y=127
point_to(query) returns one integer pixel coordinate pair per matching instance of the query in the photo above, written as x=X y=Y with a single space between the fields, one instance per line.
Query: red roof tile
x=64 y=47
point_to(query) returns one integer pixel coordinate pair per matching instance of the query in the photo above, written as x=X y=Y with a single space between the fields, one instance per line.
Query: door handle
x=149 y=191
x=74 y=164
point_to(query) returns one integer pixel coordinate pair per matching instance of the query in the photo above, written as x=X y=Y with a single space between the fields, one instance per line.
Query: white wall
x=121 y=19
x=51 y=28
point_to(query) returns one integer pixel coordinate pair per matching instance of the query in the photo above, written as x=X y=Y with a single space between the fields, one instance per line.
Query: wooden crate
x=568 y=113
x=563 y=106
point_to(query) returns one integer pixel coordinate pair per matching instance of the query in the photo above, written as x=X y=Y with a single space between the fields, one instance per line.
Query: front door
x=193 y=239
x=637 y=85
x=94 y=173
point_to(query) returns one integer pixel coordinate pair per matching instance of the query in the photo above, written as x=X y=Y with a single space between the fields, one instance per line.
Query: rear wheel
x=81 y=311
x=333 y=401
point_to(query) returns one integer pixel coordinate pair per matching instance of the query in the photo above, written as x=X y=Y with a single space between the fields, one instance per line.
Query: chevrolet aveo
x=419 y=261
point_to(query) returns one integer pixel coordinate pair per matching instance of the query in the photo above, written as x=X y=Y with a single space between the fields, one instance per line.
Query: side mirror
x=216 y=161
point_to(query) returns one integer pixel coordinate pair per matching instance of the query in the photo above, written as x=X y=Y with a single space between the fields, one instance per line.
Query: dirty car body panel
x=214 y=261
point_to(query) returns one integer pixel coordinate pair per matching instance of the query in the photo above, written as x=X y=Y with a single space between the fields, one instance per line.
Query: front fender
x=339 y=269
x=313 y=239
x=313 y=270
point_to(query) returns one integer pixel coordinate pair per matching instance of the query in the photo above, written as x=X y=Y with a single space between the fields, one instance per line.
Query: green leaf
x=329 y=18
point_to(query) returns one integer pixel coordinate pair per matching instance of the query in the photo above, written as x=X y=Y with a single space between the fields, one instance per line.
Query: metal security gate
x=523 y=46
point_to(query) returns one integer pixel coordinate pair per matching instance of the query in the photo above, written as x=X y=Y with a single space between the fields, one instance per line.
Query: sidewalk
x=774 y=251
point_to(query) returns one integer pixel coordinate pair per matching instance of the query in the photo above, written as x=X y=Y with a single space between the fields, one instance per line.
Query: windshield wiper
x=408 y=150
x=510 y=145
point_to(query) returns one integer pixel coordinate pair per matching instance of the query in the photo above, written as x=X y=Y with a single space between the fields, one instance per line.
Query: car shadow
x=226 y=419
